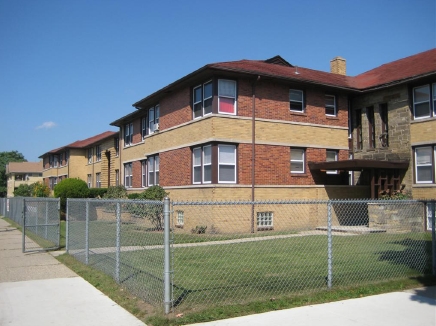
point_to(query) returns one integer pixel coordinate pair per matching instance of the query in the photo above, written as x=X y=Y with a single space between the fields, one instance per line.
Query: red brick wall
x=175 y=109
x=175 y=167
x=137 y=136
x=136 y=174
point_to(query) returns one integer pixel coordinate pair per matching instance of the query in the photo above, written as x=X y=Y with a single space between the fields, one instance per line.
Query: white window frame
x=153 y=163
x=144 y=123
x=421 y=102
x=90 y=153
x=299 y=160
x=294 y=101
x=98 y=180
x=98 y=153
x=55 y=161
x=144 y=173
x=180 y=217
x=329 y=106
x=202 y=99
x=128 y=134
x=234 y=97
x=336 y=154
x=128 y=175
x=220 y=146
x=89 y=178
x=265 y=220
x=197 y=153
x=431 y=164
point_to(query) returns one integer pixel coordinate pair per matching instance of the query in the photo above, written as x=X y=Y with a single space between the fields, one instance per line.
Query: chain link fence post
x=23 y=224
x=67 y=226
x=87 y=232
x=167 y=275
x=329 y=245
x=118 y=244
x=433 y=235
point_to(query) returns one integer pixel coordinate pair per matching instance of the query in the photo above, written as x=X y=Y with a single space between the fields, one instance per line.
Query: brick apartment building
x=94 y=160
x=18 y=173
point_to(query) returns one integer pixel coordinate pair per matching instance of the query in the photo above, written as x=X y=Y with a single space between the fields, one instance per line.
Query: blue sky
x=70 y=68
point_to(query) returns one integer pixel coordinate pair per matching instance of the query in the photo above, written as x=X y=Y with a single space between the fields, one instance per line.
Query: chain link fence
x=218 y=253
x=39 y=219
x=122 y=238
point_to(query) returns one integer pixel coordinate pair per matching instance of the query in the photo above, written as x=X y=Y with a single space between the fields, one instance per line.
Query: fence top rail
x=114 y=201
x=34 y=199
x=308 y=201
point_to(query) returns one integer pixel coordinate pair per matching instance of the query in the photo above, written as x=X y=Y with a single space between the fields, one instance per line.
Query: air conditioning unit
x=156 y=127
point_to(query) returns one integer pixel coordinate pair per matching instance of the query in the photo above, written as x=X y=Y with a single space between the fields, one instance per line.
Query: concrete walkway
x=37 y=290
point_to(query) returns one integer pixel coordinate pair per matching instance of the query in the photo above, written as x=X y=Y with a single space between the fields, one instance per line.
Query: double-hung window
x=296 y=100
x=89 y=180
x=298 y=160
x=128 y=175
x=117 y=146
x=128 y=134
x=424 y=164
x=55 y=161
x=98 y=153
x=226 y=96
x=117 y=177
x=153 y=119
x=61 y=159
x=226 y=163
x=153 y=170
x=144 y=125
x=202 y=164
x=202 y=98
x=89 y=155
x=330 y=105
x=331 y=156
x=424 y=101
x=98 y=180
x=144 y=173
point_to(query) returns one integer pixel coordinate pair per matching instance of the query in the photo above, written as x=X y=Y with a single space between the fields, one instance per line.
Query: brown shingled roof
x=85 y=142
x=24 y=167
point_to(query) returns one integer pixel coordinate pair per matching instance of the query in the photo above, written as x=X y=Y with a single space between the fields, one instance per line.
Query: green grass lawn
x=223 y=274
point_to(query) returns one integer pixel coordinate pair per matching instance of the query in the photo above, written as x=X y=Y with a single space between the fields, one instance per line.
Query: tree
x=40 y=190
x=6 y=158
x=23 y=190
x=70 y=188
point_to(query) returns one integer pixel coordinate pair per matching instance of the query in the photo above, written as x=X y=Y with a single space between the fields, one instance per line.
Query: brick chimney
x=338 y=65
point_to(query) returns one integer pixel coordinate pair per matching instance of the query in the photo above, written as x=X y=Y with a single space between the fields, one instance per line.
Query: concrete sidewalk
x=37 y=290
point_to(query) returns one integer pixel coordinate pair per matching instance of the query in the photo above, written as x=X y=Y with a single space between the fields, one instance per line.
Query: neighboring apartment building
x=18 y=173
x=242 y=130
x=94 y=160
x=394 y=120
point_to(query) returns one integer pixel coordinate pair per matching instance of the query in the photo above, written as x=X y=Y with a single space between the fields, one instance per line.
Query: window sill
x=298 y=174
x=179 y=226
x=424 y=185
x=297 y=113
x=332 y=117
x=418 y=120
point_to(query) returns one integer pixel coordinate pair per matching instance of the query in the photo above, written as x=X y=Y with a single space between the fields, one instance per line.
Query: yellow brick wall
x=424 y=192
x=423 y=132
x=78 y=164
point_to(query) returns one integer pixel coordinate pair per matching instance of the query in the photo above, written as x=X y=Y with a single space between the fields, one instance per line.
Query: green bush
x=116 y=192
x=70 y=188
x=133 y=196
x=97 y=192
x=153 y=193
x=40 y=190
x=152 y=212
x=24 y=190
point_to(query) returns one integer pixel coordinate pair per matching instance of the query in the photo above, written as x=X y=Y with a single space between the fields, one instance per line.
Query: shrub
x=115 y=192
x=133 y=196
x=23 y=190
x=153 y=193
x=70 y=188
x=40 y=190
x=97 y=192
x=154 y=213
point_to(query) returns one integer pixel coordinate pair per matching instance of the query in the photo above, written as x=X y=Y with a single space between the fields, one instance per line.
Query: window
x=117 y=177
x=89 y=181
x=226 y=96
x=128 y=134
x=384 y=137
x=371 y=126
x=424 y=164
x=264 y=220
x=296 y=102
x=202 y=99
x=144 y=173
x=226 y=164
x=117 y=146
x=55 y=161
x=53 y=182
x=330 y=105
x=89 y=155
x=97 y=180
x=67 y=156
x=297 y=160
x=359 y=141
x=421 y=101
x=202 y=164
x=98 y=153
x=331 y=156
x=350 y=173
x=180 y=218
x=61 y=159
x=144 y=123
x=153 y=170
x=128 y=175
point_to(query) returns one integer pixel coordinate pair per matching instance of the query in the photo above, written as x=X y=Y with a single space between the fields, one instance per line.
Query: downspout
x=253 y=149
